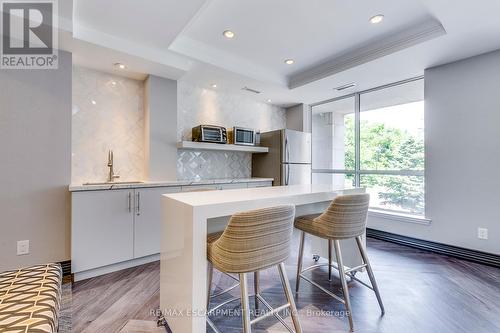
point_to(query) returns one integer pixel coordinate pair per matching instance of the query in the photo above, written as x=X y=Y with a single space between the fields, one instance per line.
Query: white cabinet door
x=233 y=186
x=102 y=228
x=260 y=184
x=147 y=224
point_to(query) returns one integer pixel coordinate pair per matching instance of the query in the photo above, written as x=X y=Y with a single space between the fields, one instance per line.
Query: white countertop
x=167 y=183
x=313 y=193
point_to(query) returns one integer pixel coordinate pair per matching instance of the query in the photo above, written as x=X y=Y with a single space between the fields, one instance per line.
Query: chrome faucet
x=112 y=176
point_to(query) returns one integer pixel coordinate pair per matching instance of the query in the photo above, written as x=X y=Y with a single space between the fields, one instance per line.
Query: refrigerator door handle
x=287 y=150
x=287 y=176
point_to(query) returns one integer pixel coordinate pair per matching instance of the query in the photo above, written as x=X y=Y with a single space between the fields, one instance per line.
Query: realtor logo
x=29 y=34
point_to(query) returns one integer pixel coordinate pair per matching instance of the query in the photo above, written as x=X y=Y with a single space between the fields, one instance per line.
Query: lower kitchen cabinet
x=147 y=219
x=114 y=226
x=102 y=228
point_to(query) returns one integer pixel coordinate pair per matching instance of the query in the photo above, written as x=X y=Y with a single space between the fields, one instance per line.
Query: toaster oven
x=209 y=133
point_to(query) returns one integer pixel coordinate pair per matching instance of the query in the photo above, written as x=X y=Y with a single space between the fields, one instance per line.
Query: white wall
x=35 y=145
x=462 y=124
x=160 y=128
x=298 y=118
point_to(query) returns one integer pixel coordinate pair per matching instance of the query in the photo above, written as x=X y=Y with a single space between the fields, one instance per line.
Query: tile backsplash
x=196 y=165
x=108 y=113
x=198 y=105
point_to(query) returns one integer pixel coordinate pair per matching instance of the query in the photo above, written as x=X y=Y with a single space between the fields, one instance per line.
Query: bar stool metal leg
x=300 y=259
x=330 y=259
x=370 y=272
x=245 y=306
x=345 y=289
x=256 y=287
x=289 y=297
x=210 y=274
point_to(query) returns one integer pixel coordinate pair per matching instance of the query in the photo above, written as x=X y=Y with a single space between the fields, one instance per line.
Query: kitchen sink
x=115 y=183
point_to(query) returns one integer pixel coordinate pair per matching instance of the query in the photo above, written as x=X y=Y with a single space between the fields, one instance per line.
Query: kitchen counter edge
x=171 y=183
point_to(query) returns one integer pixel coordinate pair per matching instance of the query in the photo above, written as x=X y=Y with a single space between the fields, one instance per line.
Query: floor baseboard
x=450 y=250
x=83 y=275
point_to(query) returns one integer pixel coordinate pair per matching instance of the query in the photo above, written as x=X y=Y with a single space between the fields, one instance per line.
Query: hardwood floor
x=422 y=292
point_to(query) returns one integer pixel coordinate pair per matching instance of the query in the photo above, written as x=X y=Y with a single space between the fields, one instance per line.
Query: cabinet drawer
x=233 y=186
x=190 y=188
x=260 y=184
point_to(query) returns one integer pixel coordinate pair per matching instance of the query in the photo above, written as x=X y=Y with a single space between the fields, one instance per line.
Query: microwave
x=209 y=133
x=244 y=136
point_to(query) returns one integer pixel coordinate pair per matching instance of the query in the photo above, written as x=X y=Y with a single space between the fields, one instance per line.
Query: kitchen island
x=188 y=217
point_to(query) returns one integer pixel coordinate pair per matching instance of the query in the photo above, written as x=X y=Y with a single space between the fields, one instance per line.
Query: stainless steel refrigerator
x=288 y=160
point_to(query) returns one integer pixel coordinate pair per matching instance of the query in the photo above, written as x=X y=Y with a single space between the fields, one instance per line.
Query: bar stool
x=345 y=218
x=254 y=241
x=210 y=239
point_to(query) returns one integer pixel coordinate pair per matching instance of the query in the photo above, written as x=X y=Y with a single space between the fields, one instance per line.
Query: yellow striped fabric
x=30 y=299
x=253 y=240
x=344 y=218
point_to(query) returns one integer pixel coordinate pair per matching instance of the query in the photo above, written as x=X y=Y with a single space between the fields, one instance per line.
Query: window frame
x=358 y=172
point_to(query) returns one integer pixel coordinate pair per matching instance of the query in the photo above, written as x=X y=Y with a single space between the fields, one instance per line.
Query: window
x=374 y=139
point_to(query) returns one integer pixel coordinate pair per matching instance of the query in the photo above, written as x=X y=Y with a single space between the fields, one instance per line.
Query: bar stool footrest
x=347 y=272
x=227 y=289
x=276 y=314
x=322 y=288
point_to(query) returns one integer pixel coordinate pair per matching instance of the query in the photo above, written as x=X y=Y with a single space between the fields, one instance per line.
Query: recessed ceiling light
x=214 y=85
x=228 y=34
x=377 y=19
x=289 y=61
x=93 y=102
x=119 y=65
x=269 y=100
x=113 y=83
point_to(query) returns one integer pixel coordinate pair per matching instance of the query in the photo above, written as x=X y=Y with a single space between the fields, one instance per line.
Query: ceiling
x=332 y=41
x=268 y=32
x=152 y=23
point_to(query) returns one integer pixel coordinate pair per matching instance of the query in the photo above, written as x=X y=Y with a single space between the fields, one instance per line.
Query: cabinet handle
x=129 y=202
x=138 y=203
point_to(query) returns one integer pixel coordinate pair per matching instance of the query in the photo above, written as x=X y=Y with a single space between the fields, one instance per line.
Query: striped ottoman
x=30 y=298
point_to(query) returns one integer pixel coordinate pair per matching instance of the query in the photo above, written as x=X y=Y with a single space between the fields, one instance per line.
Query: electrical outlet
x=482 y=233
x=23 y=247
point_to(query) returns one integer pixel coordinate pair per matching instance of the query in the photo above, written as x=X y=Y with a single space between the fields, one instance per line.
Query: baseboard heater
x=450 y=250
x=66 y=267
